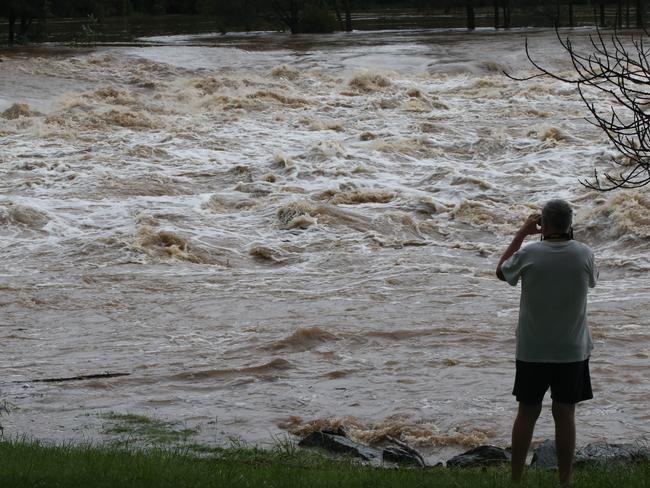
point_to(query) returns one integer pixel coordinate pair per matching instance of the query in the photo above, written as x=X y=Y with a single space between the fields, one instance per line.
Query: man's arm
x=528 y=228
x=593 y=271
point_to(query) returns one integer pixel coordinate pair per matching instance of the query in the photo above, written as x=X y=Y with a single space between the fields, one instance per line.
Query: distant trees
x=290 y=12
x=506 y=9
x=20 y=15
x=346 y=6
x=326 y=15
x=529 y=12
x=348 y=15
x=296 y=15
x=640 y=13
x=230 y=13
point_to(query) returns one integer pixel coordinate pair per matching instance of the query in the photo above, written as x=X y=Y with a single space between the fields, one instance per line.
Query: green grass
x=130 y=428
x=33 y=464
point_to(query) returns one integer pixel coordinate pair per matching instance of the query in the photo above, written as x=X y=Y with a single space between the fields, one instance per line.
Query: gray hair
x=558 y=215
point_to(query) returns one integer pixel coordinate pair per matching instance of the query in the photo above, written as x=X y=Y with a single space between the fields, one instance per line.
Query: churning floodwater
x=270 y=234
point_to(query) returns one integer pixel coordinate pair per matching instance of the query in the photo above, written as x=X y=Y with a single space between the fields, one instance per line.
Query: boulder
x=340 y=444
x=544 y=455
x=604 y=453
x=396 y=454
x=338 y=431
x=480 y=456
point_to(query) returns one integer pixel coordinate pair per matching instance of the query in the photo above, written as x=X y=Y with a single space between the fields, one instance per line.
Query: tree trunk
x=337 y=10
x=12 y=24
x=348 y=16
x=627 y=13
x=640 y=14
x=496 y=14
x=506 y=14
x=602 y=14
x=471 y=19
x=293 y=17
x=571 y=24
x=25 y=22
x=619 y=14
x=557 y=13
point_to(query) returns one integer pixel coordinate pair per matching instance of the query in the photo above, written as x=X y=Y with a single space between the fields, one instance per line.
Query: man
x=553 y=340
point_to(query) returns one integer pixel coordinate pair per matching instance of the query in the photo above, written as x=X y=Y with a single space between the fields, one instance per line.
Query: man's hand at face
x=529 y=227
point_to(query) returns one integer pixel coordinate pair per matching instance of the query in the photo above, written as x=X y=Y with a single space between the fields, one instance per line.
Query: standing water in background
x=275 y=234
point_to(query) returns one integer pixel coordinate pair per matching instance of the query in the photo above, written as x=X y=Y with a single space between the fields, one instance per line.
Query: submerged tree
x=346 y=24
x=20 y=15
x=619 y=71
x=305 y=16
x=471 y=18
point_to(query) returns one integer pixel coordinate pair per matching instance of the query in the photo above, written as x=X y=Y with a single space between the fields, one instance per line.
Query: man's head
x=556 y=217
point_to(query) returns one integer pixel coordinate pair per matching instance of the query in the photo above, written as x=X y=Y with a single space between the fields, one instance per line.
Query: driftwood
x=76 y=378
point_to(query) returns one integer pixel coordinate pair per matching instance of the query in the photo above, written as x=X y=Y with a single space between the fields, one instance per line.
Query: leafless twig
x=621 y=73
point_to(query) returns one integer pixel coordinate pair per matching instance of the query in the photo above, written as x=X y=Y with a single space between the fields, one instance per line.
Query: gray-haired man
x=553 y=340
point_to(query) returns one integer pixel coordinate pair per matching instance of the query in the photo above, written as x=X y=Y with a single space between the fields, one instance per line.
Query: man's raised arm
x=528 y=228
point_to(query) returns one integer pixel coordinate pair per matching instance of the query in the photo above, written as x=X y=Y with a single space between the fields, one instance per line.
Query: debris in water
x=362 y=196
x=18 y=110
x=296 y=214
x=285 y=71
x=368 y=81
x=22 y=215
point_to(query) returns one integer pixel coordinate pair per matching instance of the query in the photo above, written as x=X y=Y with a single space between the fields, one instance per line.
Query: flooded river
x=270 y=234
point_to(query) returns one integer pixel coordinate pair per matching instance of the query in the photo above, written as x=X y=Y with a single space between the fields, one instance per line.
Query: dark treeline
x=329 y=15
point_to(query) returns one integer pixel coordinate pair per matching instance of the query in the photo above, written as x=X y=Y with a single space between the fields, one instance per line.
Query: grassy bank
x=31 y=464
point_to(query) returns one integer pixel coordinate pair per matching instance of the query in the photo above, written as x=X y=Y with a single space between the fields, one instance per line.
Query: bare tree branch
x=621 y=72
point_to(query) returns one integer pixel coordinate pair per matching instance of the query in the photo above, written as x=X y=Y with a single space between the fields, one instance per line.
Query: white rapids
x=272 y=234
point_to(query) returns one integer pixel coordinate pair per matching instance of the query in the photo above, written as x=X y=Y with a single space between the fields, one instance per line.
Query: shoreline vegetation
x=35 y=21
x=148 y=452
x=27 y=463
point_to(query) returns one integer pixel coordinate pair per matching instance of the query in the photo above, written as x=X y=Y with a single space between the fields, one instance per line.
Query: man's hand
x=529 y=227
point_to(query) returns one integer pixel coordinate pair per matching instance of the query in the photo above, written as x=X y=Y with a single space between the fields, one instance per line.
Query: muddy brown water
x=273 y=234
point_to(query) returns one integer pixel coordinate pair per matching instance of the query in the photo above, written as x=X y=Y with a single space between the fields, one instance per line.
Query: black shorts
x=569 y=382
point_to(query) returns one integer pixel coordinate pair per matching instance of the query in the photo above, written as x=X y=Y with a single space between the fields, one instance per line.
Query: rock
x=544 y=455
x=338 y=431
x=340 y=444
x=604 y=453
x=402 y=453
x=480 y=456
x=398 y=455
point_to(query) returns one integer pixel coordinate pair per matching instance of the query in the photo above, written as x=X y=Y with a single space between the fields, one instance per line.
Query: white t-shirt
x=553 y=308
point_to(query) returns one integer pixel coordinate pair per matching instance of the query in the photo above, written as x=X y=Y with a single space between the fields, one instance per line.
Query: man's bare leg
x=522 y=433
x=565 y=438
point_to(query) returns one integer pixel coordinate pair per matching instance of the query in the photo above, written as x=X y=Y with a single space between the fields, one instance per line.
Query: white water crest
x=273 y=233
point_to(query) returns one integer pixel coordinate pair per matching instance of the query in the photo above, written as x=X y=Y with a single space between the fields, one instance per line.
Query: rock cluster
x=338 y=442
x=595 y=453
x=544 y=456
x=480 y=456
